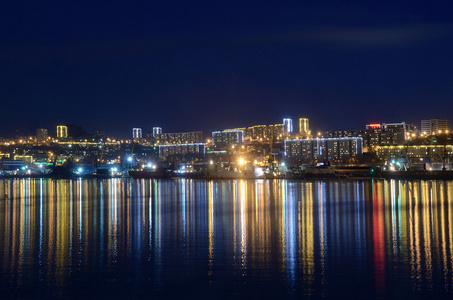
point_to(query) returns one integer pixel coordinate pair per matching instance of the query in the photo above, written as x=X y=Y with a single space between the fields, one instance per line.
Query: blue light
x=129 y=159
x=80 y=170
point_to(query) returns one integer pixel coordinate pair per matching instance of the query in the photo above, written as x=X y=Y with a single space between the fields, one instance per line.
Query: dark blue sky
x=187 y=65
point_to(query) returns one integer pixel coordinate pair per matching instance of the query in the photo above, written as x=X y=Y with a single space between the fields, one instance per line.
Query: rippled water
x=125 y=238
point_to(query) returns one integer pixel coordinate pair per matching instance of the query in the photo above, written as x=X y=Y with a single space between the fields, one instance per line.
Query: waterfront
x=126 y=238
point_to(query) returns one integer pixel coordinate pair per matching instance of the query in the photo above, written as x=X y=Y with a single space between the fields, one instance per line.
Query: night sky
x=188 y=65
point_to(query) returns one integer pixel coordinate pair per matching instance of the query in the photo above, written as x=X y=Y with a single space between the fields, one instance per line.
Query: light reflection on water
x=183 y=238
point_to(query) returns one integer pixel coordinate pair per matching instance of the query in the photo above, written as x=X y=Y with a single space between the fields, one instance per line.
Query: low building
x=416 y=153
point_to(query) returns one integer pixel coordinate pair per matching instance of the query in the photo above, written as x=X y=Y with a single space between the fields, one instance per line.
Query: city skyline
x=177 y=66
x=153 y=130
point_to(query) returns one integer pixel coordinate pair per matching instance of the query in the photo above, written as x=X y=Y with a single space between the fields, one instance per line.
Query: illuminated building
x=24 y=158
x=236 y=129
x=258 y=132
x=304 y=129
x=136 y=133
x=41 y=135
x=287 y=126
x=227 y=138
x=157 y=131
x=377 y=134
x=433 y=126
x=373 y=126
x=62 y=132
x=180 y=137
x=278 y=130
x=264 y=132
x=417 y=155
x=192 y=151
x=89 y=150
x=322 y=149
x=406 y=129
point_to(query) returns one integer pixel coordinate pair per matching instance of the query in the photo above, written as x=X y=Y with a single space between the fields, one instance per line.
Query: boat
x=153 y=173
x=418 y=174
x=229 y=171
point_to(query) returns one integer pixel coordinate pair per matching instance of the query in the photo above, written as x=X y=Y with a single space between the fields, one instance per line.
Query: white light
x=114 y=169
x=149 y=165
x=283 y=164
x=129 y=158
x=80 y=170
x=154 y=167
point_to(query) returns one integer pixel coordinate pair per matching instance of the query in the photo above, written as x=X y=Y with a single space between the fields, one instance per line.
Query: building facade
x=192 y=151
x=180 y=138
x=227 y=138
x=137 y=133
x=157 y=131
x=322 y=149
x=62 y=132
x=415 y=154
x=304 y=129
x=435 y=126
x=41 y=135
x=287 y=126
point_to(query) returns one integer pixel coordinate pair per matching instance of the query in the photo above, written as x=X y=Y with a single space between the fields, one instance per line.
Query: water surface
x=126 y=238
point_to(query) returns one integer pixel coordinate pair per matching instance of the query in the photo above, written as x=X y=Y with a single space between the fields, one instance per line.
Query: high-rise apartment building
x=435 y=126
x=180 y=137
x=322 y=149
x=225 y=139
x=41 y=135
x=287 y=126
x=303 y=126
x=136 y=133
x=192 y=150
x=157 y=131
x=62 y=132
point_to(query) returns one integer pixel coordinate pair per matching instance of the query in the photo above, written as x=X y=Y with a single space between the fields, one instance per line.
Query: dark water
x=182 y=239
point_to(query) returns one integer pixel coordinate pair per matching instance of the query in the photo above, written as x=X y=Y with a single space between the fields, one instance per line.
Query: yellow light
x=241 y=161
x=440 y=131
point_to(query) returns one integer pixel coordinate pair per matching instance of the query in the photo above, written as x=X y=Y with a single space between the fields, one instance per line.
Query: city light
x=241 y=161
